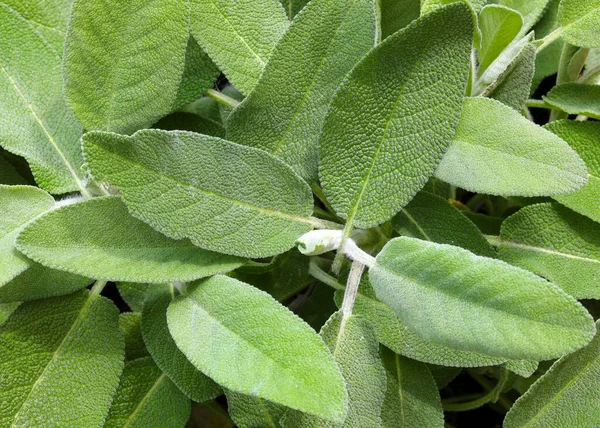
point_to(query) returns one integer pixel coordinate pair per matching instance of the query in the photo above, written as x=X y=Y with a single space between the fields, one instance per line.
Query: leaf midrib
x=546 y=251
x=146 y=397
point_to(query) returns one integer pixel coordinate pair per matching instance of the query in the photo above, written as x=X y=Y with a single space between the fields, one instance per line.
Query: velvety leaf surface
x=247 y=342
x=583 y=137
x=129 y=323
x=133 y=294
x=253 y=412
x=411 y=397
x=6 y=309
x=546 y=61
x=164 y=351
x=35 y=121
x=62 y=369
x=579 y=19
x=476 y=303
x=567 y=395
x=556 y=243
x=184 y=121
x=497 y=151
x=118 y=76
x=397 y=14
x=576 y=98
x=428 y=6
x=524 y=368
x=146 y=398
x=393 y=117
x=285 y=112
x=222 y=196
x=292 y=7
x=531 y=10
x=499 y=25
x=239 y=36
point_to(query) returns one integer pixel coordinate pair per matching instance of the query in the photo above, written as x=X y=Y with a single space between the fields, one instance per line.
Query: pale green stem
x=318 y=273
x=550 y=38
x=352 y=284
x=339 y=257
x=538 y=104
x=223 y=99
x=324 y=224
x=495 y=241
x=97 y=288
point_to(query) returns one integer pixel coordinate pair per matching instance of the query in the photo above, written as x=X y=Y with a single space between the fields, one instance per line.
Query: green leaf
x=8 y=173
x=239 y=36
x=133 y=294
x=499 y=26
x=118 y=76
x=546 y=62
x=222 y=196
x=129 y=322
x=292 y=7
x=531 y=10
x=523 y=368
x=576 y=98
x=567 y=395
x=381 y=141
x=583 y=137
x=428 y=6
x=411 y=397
x=354 y=346
x=579 y=19
x=433 y=218
x=253 y=412
x=99 y=239
x=35 y=121
x=397 y=14
x=476 y=303
x=61 y=361
x=146 y=398
x=164 y=351
x=556 y=243
x=497 y=151
x=247 y=342
x=184 y=121
x=285 y=119
x=6 y=310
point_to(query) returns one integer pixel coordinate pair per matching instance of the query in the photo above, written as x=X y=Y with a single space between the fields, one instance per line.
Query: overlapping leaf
x=499 y=26
x=576 y=98
x=579 y=19
x=397 y=14
x=253 y=412
x=531 y=10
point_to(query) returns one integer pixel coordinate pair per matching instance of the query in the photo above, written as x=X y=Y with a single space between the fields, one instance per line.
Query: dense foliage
x=324 y=213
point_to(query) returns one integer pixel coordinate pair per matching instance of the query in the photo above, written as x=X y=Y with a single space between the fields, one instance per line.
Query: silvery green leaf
x=531 y=10
x=292 y=7
x=253 y=412
x=576 y=98
x=579 y=20
x=499 y=26
x=129 y=323
x=397 y=14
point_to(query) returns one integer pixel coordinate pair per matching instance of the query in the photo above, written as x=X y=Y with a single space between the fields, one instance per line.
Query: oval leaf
x=499 y=26
x=576 y=98
x=579 y=19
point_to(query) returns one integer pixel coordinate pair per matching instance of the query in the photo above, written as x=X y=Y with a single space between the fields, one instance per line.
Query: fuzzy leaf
x=531 y=10
x=579 y=19
x=63 y=368
x=35 y=121
x=129 y=323
x=576 y=98
x=285 y=112
x=222 y=196
x=428 y=6
x=184 y=121
x=292 y=7
x=555 y=243
x=239 y=36
x=499 y=26
x=411 y=398
x=146 y=398
x=133 y=294
x=6 y=310
x=164 y=351
x=397 y=14
x=476 y=303
x=122 y=77
x=524 y=368
x=497 y=151
x=567 y=395
x=393 y=117
x=247 y=342
x=583 y=137
x=253 y=412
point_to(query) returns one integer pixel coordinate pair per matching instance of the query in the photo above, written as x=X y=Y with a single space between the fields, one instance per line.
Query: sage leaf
x=355 y=348
x=62 y=369
x=164 y=351
x=496 y=151
x=397 y=14
x=523 y=368
x=133 y=294
x=433 y=218
x=576 y=98
x=428 y=6
x=475 y=303
x=411 y=398
x=8 y=173
x=146 y=398
x=530 y=10
x=546 y=62
x=556 y=243
x=388 y=126
x=292 y=7
x=566 y=395
x=122 y=77
x=286 y=119
x=35 y=121
x=239 y=36
x=579 y=20
x=248 y=343
x=499 y=26
x=222 y=196
x=6 y=310
x=184 y=121
x=253 y=412
x=99 y=239
x=583 y=137
x=129 y=323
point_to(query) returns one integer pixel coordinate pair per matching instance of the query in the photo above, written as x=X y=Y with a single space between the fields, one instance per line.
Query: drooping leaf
x=576 y=98
x=524 y=368
x=133 y=294
x=531 y=10
x=354 y=346
x=443 y=375
x=146 y=398
x=292 y=7
x=129 y=323
x=497 y=151
x=63 y=368
x=285 y=112
x=222 y=196
x=388 y=124
x=397 y=14
x=556 y=243
x=411 y=397
x=98 y=238
x=35 y=121
x=499 y=26
x=247 y=342
x=583 y=137
x=579 y=19
x=434 y=219
x=239 y=36
x=121 y=76
x=567 y=395
x=164 y=351
x=476 y=303
x=253 y=412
